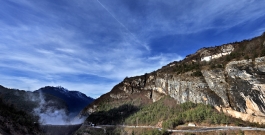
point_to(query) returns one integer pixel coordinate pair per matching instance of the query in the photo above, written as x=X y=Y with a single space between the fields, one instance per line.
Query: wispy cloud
x=92 y=45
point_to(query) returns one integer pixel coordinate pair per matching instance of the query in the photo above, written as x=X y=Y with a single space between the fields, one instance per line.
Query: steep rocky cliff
x=230 y=77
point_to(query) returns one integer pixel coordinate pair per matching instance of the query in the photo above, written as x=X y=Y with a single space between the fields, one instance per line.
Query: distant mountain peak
x=62 y=88
x=75 y=100
x=79 y=94
x=65 y=91
x=58 y=88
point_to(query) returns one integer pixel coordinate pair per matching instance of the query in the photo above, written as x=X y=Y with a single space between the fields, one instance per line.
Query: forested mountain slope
x=17 y=122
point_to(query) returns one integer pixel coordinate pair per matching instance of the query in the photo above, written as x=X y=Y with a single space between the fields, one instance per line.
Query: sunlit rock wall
x=238 y=89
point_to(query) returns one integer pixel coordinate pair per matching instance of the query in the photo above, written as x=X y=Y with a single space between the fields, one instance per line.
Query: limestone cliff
x=230 y=77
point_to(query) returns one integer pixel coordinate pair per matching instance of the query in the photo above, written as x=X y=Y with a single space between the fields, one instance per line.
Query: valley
x=132 y=67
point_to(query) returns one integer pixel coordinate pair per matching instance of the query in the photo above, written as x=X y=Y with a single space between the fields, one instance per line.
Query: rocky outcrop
x=238 y=89
x=207 y=55
x=234 y=84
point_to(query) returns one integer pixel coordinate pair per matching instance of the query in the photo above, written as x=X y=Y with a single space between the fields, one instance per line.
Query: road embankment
x=59 y=129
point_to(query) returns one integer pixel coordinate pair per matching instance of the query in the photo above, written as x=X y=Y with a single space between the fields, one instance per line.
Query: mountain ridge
x=27 y=100
x=46 y=106
x=229 y=77
x=75 y=100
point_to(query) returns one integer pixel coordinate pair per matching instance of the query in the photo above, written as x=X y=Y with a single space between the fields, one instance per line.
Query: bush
x=197 y=73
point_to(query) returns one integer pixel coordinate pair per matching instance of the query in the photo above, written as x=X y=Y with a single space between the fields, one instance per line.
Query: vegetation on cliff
x=246 y=49
x=166 y=112
x=171 y=114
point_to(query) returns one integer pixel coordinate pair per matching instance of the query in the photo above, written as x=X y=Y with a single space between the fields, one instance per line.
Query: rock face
x=237 y=87
x=224 y=50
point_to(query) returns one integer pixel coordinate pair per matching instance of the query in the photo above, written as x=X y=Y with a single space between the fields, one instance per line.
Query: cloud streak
x=133 y=36
x=92 y=45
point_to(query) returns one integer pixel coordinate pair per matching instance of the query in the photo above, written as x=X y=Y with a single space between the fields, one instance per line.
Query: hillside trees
x=172 y=115
x=15 y=121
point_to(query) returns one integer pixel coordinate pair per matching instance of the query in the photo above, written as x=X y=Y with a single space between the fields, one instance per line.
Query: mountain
x=28 y=101
x=49 y=105
x=230 y=78
x=74 y=100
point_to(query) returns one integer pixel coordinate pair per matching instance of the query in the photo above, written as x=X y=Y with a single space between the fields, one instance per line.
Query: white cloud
x=82 y=38
x=49 y=52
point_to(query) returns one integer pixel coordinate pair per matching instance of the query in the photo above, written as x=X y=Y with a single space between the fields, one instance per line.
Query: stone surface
x=238 y=89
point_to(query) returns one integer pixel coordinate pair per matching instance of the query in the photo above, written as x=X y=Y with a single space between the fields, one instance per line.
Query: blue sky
x=91 y=45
